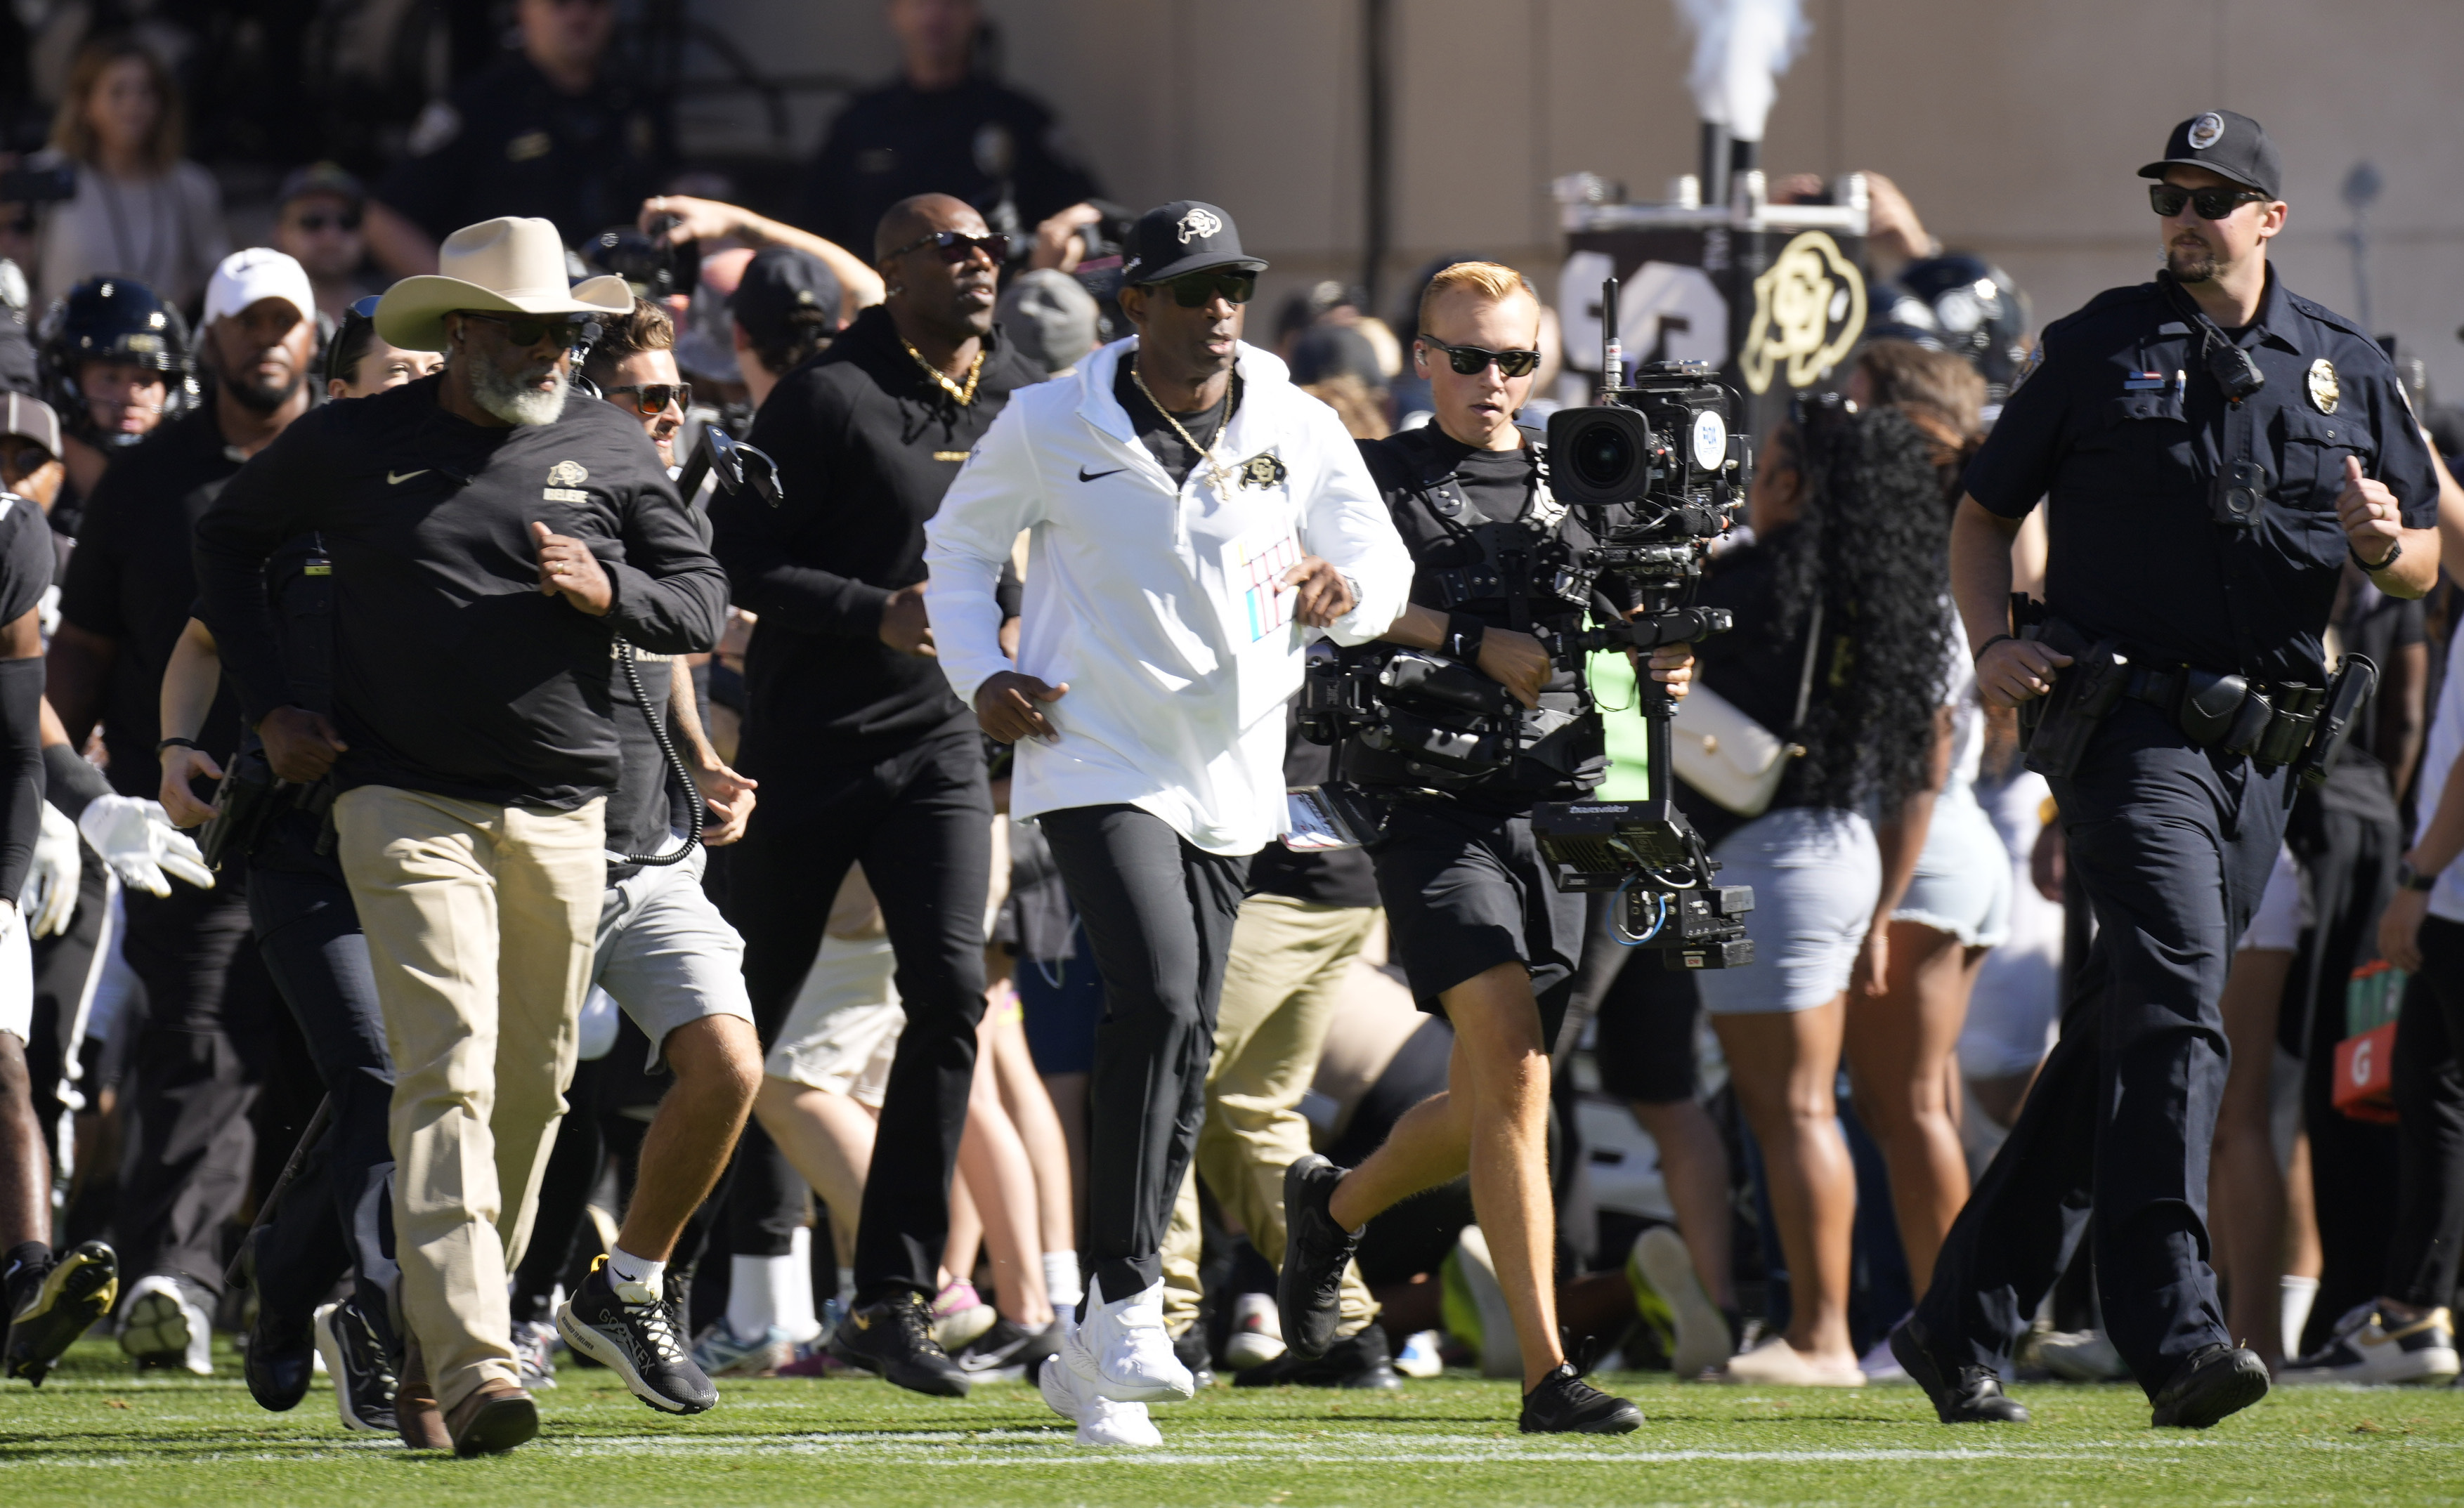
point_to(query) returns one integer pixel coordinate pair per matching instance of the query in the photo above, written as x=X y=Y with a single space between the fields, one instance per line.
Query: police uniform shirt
x=2120 y=426
x=131 y=581
x=509 y=143
x=972 y=142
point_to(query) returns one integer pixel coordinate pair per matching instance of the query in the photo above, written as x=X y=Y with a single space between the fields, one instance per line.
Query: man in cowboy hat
x=491 y=537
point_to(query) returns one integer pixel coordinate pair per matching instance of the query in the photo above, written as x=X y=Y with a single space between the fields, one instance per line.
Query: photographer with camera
x=2214 y=448
x=1484 y=935
x=1192 y=516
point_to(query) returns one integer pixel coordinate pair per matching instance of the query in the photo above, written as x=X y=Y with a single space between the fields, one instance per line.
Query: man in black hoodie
x=861 y=752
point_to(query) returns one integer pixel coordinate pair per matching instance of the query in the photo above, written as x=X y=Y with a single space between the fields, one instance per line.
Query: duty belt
x=2268 y=722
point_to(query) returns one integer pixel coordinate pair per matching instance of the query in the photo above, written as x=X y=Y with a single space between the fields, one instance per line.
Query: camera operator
x=1189 y=512
x=1482 y=932
x=2216 y=448
x=474 y=740
x=863 y=754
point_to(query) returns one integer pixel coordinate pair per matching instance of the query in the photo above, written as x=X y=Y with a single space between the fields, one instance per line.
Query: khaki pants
x=480 y=922
x=1282 y=985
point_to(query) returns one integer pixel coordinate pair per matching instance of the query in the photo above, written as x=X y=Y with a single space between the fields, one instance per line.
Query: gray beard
x=2190 y=266
x=513 y=400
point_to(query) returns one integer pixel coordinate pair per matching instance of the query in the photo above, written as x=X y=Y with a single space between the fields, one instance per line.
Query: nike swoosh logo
x=1086 y=475
x=397 y=478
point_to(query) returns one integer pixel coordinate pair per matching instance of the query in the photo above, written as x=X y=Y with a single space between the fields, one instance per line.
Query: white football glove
x=136 y=838
x=50 y=898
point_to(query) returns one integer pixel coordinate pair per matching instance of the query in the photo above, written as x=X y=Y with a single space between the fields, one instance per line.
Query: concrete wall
x=2015 y=125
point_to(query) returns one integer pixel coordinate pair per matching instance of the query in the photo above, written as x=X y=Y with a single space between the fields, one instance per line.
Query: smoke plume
x=1741 y=47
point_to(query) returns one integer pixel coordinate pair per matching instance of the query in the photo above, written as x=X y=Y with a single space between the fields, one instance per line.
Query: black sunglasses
x=347 y=222
x=651 y=399
x=957 y=245
x=531 y=329
x=1197 y=289
x=2214 y=203
x=1470 y=361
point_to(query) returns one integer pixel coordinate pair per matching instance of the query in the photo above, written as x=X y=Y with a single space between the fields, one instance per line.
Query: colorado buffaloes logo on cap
x=1198 y=224
x=2206 y=131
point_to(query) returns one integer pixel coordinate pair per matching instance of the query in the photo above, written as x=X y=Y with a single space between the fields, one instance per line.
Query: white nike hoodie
x=1161 y=608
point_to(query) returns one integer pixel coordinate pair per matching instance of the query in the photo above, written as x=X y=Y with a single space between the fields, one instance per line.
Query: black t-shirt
x=980 y=141
x=24 y=557
x=300 y=588
x=1162 y=440
x=509 y=143
x=132 y=579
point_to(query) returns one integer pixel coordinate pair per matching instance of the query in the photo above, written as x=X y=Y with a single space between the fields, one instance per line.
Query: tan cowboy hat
x=507 y=265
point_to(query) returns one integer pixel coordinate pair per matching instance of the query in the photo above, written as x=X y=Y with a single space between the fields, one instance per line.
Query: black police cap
x=2224 y=142
x=1183 y=236
x=779 y=281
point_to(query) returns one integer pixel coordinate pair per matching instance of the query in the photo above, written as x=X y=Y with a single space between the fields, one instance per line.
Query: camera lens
x=1602 y=456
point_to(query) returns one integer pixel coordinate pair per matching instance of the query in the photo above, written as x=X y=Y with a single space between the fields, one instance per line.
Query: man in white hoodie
x=1193 y=519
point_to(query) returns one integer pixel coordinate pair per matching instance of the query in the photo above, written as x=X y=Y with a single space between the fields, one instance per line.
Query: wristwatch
x=2409 y=878
x=2392 y=556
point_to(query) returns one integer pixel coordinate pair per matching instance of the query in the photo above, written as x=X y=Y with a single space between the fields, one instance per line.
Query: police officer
x=2214 y=448
x=943 y=126
x=550 y=130
x=1484 y=936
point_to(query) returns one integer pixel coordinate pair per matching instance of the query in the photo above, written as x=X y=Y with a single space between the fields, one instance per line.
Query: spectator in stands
x=141 y=210
x=317 y=223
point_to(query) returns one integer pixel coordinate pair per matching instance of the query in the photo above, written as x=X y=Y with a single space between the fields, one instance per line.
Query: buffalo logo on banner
x=1809 y=310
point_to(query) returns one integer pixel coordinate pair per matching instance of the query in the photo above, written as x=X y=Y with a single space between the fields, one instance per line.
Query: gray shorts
x=1816 y=875
x=666 y=955
x=1962 y=884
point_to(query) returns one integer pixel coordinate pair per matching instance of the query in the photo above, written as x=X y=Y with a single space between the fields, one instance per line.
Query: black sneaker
x=1008 y=1352
x=1309 y=1290
x=1360 y=1360
x=1967 y=1395
x=1189 y=1348
x=2216 y=1381
x=53 y=1305
x=627 y=1329
x=894 y=1339
x=281 y=1350
x=1564 y=1403
x=362 y=1373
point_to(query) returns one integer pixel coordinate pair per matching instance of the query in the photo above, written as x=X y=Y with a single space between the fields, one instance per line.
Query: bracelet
x=1989 y=643
x=177 y=743
x=2392 y=556
x=1464 y=636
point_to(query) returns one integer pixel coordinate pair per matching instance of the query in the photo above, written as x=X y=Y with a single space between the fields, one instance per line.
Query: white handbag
x=1731 y=759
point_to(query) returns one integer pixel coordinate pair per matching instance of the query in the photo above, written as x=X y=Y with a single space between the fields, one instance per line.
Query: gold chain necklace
x=975 y=369
x=1215 y=472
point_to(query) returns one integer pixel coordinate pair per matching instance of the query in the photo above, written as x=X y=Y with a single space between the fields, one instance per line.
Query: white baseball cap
x=259 y=271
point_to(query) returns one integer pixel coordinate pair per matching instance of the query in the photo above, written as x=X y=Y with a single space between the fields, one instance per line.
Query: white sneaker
x=1123 y=1352
x=1660 y=1259
x=160 y=1324
x=2082 y=1356
x=1100 y=1421
x=1257 y=1332
x=1419 y=1358
x=2365 y=1349
x=1471 y=1267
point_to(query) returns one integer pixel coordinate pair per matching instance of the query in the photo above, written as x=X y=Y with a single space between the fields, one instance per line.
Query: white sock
x=626 y=1268
x=847 y=1288
x=798 y=1315
x=1061 y=1282
x=2300 y=1294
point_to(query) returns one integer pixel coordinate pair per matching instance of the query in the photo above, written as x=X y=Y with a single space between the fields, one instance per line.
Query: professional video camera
x=1656 y=475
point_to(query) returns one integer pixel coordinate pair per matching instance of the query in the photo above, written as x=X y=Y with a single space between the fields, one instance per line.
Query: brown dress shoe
x=492 y=1420
x=414 y=1404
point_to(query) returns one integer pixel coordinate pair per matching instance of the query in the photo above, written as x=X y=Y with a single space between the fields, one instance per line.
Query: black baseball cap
x=323 y=178
x=2222 y=141
x=779 y=281
x=1183 y=236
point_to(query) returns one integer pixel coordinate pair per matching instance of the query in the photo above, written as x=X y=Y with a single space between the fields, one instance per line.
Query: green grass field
x=94 y=1435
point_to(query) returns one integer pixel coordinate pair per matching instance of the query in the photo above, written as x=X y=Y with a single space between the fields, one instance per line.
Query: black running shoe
x=1309 y=1290
x=1008 y=1352
x=62 y=1305
x=627 y=1329
x=363 y=1375
x=894 y=1339
x=2216 y=1381
x=282 y=1352
x=1362 y=1360
x=1969 y=1395
x=1564 y=1403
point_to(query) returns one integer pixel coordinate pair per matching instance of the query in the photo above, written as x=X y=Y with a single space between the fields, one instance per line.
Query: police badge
x=2324 y=391
x=1263 y=470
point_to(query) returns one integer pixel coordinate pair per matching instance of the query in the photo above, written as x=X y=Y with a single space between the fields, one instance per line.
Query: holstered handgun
x=2028 y=622
x=2083 y=692
x=244 y=803
x=2351 y=687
